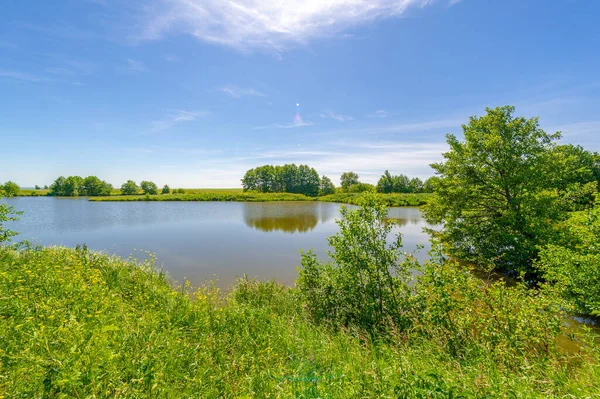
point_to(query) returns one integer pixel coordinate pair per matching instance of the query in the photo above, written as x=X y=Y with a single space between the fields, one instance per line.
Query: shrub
x=366 y=282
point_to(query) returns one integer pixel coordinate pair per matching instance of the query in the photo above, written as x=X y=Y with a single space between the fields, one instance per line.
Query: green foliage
x=326 y=186
x=494 y=191
x=7 y=214
x=576 y=176
x=348 y=179
x=361 y=188
x=37 y=187
x=149 y=187
x=572 y=265
x=10 y=189
x=74 y=186
x=166 y=189
x=365 y=284
x=80 y=324
x=282 y=179
x=180 y=191
x=429 y=184
x=130 y=188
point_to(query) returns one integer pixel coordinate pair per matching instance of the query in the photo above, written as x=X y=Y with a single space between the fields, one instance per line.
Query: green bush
x=366 y=282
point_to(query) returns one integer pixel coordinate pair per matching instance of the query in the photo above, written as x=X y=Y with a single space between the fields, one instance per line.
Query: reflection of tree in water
x=287 y=217
x=398 y=221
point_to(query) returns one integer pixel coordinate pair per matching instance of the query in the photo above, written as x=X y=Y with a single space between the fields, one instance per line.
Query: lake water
x=199 y=240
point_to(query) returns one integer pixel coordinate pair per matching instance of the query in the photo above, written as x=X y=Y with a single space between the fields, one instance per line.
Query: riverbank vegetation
x=250 y=196
x=85 y=324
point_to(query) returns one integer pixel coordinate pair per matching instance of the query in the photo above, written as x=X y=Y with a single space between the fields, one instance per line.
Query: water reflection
x=287 y=217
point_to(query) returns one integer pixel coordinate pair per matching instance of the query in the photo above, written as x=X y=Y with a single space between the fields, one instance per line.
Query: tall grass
x=75 y=323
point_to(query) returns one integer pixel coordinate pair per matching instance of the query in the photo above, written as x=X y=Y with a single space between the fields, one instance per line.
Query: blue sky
x=195 y=92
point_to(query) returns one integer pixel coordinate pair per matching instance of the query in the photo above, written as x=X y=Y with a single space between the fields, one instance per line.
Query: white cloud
x=176 y=117
x=239 y=92
x=337 y=117
x=380 y=113
x=270 y=24
x=133 y=66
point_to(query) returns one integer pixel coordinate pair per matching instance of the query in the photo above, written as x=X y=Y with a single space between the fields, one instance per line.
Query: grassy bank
x=231 y=195
x=79 y=324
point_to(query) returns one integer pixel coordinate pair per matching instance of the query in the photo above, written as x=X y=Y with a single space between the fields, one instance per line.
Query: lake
x=199 y=240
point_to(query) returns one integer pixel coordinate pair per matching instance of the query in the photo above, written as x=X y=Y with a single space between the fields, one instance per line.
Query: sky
x=192 y=93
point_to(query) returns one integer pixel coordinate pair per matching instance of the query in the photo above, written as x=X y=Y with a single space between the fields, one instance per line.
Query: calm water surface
x=199 y=240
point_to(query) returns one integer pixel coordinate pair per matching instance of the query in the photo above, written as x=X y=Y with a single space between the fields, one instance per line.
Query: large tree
x=326 y=187
x=10 y=189
x=494 y=192
x=149 y=187
x=348 y=179
x=129 y=188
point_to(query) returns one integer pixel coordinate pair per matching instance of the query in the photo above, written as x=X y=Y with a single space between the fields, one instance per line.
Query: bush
x=129 y=188
x=149 y=187
x=10 y=189
x=366 y=283
x=166 y=189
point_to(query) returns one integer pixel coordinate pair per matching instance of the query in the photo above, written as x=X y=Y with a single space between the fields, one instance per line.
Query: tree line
x=92 y=186
x=288 y=178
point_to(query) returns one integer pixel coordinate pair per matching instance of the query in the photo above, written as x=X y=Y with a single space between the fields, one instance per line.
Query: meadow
x=74 y=323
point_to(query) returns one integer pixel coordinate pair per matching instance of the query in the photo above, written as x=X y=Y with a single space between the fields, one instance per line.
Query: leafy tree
x=10 y=189
x=429 y=184
x=58 y=187
x=73 y=186
x=166 y=189
x=129 y=188
x=7 y=214
x=37 y=187
x=180 y=191
x=348 y=179
x=45 y=187
x=326 y=186
x=386 y=183
x=415 y=185
x=149 y=187
x=287 y=178
x=93 y=186
x=571 y=264
x=401 y=184
x=492 y=192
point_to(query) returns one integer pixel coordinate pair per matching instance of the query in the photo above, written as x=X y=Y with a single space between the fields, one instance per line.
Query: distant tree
x=45 y=187
x=249 y=182
x=308 y=180
x=58 y=187
x=130 y=188
x=74 y=186
x=494 y=193
x=415 y=185
x=361 y=188
x=11 y=189
x=326 y=187
x=93 y=186
x=37 y=187
x=401 y=184
x=149 y=187
x=348 y=179
x=386 y=183
x=166 y=189
x=180 y=191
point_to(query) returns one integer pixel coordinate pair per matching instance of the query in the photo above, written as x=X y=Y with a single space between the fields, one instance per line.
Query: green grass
x=239 y=195
x=33 y=193
x=79 y=324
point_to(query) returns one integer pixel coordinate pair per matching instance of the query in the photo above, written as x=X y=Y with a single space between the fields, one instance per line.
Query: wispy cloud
x=291 y=125
x=268 y=24
x=380 y=113
x=239 y=92
x=177 y=117
x=132 y=66
x=23 y=76
x=337 y=117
